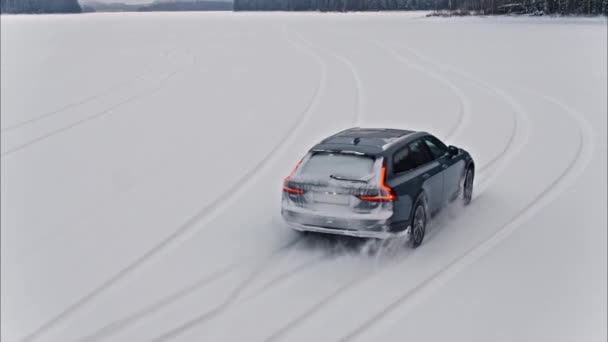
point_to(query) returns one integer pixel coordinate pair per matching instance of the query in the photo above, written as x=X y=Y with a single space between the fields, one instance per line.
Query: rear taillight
x=292 y=191
x=286 y=180
x=386 y=194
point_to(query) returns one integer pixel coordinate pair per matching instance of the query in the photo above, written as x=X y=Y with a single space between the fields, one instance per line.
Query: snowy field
x=142 y=159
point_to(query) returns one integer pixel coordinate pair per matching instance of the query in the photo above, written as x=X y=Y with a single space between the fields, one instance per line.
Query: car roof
x=370 y=141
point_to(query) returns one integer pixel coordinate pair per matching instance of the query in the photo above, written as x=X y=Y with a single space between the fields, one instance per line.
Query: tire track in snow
x=360 y=101
x=359 y=110
x=434 y=229
x=464 y=107
x=464 y=115
x=29 y=251
x=113 y=327
x=204 y=317
x=233 y=297
x=78 y=103
x=117 y=325
x=231 y=301
x=207 y=213
x=277 y=335
x=122 y=323
x=106 y=111
x=572 y=171
x=360 y=97
x=280 y=278
x=519 y=115
x=351 y=283
x=285 y=276
x=88 y=99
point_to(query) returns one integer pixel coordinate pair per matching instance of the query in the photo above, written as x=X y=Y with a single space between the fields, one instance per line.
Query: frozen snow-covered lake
x=142 y=159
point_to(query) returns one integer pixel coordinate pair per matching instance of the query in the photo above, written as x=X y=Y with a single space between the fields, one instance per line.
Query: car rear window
x=322 y=165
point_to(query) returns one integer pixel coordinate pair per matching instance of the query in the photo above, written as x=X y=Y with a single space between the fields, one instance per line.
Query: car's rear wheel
x=418 y=225
x=467 y=193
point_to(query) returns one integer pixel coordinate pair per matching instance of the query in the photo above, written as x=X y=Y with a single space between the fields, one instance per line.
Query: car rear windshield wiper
x=341 y=178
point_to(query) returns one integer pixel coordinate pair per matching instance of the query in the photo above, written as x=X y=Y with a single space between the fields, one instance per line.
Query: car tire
x=419 y=220
x=467 y=187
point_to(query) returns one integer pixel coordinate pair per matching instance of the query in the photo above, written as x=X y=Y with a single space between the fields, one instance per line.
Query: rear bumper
x=383 y=235
x=376 y=225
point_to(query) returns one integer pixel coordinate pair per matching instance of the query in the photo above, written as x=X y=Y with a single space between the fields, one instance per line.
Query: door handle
x=444 y=166
x=426 y=175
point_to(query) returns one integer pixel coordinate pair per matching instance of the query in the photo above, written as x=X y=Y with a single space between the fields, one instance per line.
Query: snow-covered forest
x=40 y=6
x=486 y=7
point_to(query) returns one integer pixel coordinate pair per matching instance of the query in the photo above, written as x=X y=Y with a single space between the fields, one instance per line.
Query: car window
x=437 y=148
x=411 y=157
x=322 y=165
x=400 y=160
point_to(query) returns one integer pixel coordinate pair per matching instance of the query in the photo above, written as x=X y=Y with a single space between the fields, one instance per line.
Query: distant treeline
x=39 y=6
x=442 y=7
x=338 y=5
x=451 y=7
x=188 y=6
x=563 y=7
x=158 y=6
x=73 y=6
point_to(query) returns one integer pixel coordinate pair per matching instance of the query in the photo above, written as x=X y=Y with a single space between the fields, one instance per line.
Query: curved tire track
x=202 y=318
x=351 y=283
x=360 y=100
x=465 y=109
x=117 y=325
x=285 y=276
x=576 y=166
x=122 y=323
x=74 y=104
x=105 y=91
x=205 y=214
x=464 y=115
x=520 y=117
x=233 y=297
x=87 y=119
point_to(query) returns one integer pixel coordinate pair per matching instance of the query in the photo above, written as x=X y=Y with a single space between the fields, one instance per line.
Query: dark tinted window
x=410 y=157
x=438 y=149
x=401 y=161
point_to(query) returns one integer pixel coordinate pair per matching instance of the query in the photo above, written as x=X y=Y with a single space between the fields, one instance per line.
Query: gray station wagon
x=375 y=183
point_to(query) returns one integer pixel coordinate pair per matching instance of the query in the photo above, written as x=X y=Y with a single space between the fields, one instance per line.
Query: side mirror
x=453 y=150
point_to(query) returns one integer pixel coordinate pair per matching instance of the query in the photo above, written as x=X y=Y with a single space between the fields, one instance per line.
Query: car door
x=452 y=167
x=414 y=169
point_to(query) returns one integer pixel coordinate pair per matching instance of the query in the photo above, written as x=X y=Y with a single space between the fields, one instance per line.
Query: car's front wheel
x=418 y=225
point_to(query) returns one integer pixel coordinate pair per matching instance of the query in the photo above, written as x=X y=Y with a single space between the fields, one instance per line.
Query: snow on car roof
x=379 y=138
